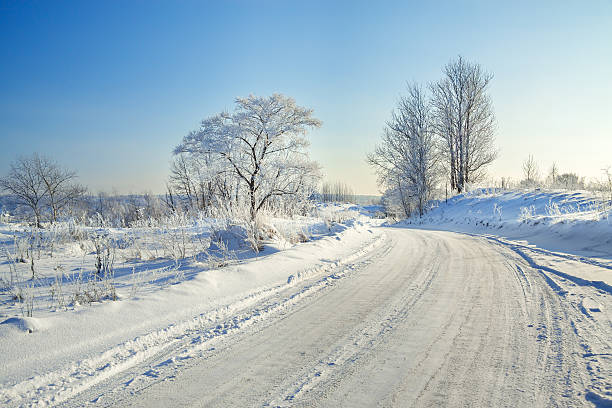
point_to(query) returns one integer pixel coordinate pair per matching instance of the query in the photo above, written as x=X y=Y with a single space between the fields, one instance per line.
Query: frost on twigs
x=255 y=158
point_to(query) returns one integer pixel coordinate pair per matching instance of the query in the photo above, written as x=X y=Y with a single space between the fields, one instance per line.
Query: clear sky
x=109 y=88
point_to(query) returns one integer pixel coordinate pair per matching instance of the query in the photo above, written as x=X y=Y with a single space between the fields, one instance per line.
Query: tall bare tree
x=406 y=161
x=553 y=174
x=464 y=121
x=531 y=171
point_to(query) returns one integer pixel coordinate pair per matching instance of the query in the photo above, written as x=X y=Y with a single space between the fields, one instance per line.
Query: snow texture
x=495 y=298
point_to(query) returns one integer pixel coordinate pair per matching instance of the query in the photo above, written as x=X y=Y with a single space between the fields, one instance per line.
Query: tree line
x=554 y=178
x=337 y=192
x=256 y=158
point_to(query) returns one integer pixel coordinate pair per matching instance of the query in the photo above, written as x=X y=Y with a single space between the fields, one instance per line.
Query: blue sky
x=109 y=88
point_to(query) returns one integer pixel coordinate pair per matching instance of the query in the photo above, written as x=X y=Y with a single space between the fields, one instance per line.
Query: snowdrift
x=57 y=353
x=577 y=223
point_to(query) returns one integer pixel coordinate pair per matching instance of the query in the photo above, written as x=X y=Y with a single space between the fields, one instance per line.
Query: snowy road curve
x=427 y=318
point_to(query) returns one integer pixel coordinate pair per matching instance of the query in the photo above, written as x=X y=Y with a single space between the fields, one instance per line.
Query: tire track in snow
x=486 y=330
x=190 y=337
x=566 y=315
x=360 y=343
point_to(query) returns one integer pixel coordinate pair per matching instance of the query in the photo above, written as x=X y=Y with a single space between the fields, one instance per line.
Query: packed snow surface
x=493 y=299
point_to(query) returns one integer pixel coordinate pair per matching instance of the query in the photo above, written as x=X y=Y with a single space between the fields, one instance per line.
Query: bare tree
x=169 y=199
x=553 y=174
x=25 y=183
x=406 y=160
x=464 y=121
x=181 y=179
x=607 y=184
x=264 y=145
x=40 y=183
x=59 y=183
x=531 y=172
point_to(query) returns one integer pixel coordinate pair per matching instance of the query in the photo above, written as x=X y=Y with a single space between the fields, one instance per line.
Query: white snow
x=513 y=309
x=59 y=352
x=574 y=226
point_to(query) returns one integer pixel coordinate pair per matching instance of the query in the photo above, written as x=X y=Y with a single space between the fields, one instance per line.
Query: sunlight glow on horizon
x=110 y=89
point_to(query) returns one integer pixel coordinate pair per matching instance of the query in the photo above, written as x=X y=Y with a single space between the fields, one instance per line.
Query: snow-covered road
x=427 y=318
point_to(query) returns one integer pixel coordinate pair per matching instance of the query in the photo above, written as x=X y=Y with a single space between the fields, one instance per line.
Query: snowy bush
x=527 y=213
x=497 y=211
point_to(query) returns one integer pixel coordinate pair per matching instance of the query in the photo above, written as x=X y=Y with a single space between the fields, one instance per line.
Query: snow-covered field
x=513 y=308
x=65 y=330
x=65 y=266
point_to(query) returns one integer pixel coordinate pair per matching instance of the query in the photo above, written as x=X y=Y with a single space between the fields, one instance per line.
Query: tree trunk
x=253 y=203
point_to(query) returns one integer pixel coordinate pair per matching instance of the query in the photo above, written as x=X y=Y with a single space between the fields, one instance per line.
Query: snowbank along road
x=425 y=318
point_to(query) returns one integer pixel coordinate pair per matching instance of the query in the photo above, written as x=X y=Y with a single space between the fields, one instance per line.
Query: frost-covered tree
x=464 y=121
x=263 y=144
x=182 y=180
x=395 y=207
x=531 y=172
x=406 y=160
x=202 y=181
